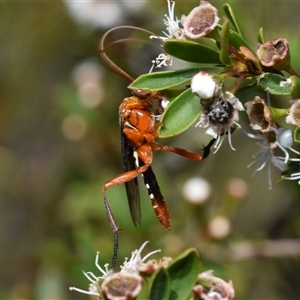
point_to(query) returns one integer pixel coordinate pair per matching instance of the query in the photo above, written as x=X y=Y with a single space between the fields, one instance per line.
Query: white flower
x=172 y=25
x=94 y=285
x=197 y=190
x=162 y=59
x=136 y=262
x=294 y=113
x=220 y=115
x=268 y=142
x=128 y=276
x=173 y=31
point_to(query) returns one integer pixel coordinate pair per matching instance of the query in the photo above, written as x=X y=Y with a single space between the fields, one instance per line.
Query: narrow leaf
x=231 y=16
x=160 y=286
x=181 y=113
x=237 y=41
x=224 y=54
x=260 y=36
x=273 y=84
x=191 y=51
x=158 y=81
x=183 y=274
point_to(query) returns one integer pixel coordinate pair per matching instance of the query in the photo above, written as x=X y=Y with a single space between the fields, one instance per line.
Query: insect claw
x=206 y=149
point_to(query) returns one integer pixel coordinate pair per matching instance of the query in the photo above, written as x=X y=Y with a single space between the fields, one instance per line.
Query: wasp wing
x=132 y=187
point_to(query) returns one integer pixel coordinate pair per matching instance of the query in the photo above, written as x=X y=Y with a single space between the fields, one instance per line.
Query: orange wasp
x=139 y=130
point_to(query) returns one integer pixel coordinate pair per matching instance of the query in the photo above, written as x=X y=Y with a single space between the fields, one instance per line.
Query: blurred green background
x=59 y=142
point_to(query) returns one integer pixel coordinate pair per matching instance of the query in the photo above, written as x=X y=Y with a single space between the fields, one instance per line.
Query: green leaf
x=295 y=90
x=260 y=36
x=293 y=167
x=158 y=81
x=183 y=274
x=237 y=41
x=231 y=16
x=191 y=51
x=297 y=135
x=180 y=114
x=271 y=83
x=224 y=54
x=160 y=285
x=245 y=89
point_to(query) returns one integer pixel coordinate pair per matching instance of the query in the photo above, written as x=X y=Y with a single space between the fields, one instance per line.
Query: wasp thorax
x=220 y=112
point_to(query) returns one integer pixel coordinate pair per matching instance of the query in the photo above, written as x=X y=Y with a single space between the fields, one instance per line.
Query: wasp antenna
x=103 y=48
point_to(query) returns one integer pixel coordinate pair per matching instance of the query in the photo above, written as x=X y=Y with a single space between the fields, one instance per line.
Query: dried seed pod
x=274 y=53
x=259 y=114
x=200 y=21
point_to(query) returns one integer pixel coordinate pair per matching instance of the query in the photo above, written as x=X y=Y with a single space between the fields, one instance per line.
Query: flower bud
x=294 y=114
x=212 y=287
x=285 y=137
x=200 y=21
x=237 y=188
x=204 y=85
x=274 y=54
x=197 y=190
x=219 y=227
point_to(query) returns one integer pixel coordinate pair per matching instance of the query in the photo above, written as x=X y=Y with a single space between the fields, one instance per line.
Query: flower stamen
x=83 y=291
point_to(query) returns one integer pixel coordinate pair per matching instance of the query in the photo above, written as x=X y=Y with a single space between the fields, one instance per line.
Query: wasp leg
x=186 y=153
x=206 y=149
x=145 y=154
x=125 y=177
x=114 y=227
